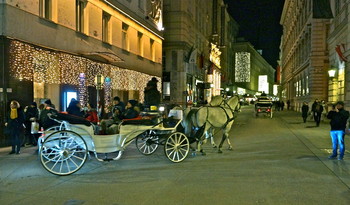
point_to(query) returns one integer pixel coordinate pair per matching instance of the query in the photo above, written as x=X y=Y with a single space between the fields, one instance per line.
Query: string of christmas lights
x=44 y=66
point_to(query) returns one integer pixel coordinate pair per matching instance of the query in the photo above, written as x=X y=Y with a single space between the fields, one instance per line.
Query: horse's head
x=233 y=102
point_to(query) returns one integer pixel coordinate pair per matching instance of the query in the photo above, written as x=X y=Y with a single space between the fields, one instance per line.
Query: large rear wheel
x=176 y=147
x=63 y=152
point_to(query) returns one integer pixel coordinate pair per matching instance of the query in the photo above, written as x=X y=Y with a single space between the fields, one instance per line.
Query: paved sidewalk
x=318 y=140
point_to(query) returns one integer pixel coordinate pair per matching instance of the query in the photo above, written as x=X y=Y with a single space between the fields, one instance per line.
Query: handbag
x=34 y=129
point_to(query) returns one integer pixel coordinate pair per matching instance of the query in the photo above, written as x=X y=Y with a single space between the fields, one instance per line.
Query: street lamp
x=99 y=79
x=332 y=90
x=332 y=72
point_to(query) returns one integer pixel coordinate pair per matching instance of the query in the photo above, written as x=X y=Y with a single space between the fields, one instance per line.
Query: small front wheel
x=147 y=143
x=176 y=147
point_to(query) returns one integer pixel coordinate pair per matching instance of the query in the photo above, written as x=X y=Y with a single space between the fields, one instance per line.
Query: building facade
x=56 y=48
x=195 y=38
x=304 y=53
x=338 y=44
x=252 y=73
x=229 y=36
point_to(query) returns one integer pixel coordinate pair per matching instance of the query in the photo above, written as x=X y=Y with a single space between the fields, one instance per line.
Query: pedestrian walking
x=338 y=116
x=282 y=105
x=14 y=125
x=317 y=110
x=305 y=111
x=288 y=104
x=31 y=114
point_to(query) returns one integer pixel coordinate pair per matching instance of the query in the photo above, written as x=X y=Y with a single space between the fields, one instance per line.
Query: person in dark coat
x=282 y=105
x=151 y=94
x=44 y=120
x=288 y=104
x=31 y=113
x=14 y=124
x=339 y=118
x=74 y=108
x=317 y=110
x=304 y=111
x=131 y=110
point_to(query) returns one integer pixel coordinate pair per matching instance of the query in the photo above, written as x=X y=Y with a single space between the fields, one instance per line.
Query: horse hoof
x=229 y=148
x=214 y=146
x=219 y=151
x=203 y=153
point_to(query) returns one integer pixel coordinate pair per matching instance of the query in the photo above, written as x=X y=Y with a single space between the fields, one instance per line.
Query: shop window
x=45 y=9
x=140 y=43
x=105 y=27
x=125 y=38
x=79 y=12
x=152 y=50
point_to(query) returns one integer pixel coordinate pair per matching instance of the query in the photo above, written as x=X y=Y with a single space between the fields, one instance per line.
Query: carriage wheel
x=147 y=143
x=63 y=152
x=177 y=147
x=41 y=139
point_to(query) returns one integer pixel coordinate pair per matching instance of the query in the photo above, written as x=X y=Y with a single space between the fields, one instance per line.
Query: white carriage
x=64 y=149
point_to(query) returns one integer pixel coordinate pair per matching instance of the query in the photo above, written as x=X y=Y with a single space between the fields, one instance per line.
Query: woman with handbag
x=14 y=124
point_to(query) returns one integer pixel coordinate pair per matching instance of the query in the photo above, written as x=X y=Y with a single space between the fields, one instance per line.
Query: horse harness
x=227 y=116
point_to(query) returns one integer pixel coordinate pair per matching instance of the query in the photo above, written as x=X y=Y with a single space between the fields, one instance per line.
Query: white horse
x=209 y=117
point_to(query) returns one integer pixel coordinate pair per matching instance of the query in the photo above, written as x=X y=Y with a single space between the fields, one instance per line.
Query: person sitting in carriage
x=131 y=111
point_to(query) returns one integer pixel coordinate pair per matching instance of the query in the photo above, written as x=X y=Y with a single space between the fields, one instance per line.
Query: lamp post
x=99 y=79
x=332 y=90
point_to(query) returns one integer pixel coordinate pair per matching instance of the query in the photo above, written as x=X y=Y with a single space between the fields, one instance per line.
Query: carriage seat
x=72 y=119
x=138 y=121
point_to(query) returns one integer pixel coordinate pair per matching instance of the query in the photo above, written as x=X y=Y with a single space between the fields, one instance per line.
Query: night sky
x=259 y=24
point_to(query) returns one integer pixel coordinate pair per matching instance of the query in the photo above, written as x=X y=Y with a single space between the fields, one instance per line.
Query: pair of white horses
x=219 y=115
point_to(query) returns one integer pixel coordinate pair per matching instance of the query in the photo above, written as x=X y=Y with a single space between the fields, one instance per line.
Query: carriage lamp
x=227 y=89
x=161 y=108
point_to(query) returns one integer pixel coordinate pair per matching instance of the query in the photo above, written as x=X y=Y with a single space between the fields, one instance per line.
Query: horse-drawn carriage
x=263 y=105
x=64 y=149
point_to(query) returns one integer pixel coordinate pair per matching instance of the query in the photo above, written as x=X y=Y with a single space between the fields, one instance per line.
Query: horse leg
x=209 y=134
x=202 y=140
x=229 y=144
x=224 y=136
x=199 y=147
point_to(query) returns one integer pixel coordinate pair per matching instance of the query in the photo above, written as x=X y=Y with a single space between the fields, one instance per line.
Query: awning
x=104 y=57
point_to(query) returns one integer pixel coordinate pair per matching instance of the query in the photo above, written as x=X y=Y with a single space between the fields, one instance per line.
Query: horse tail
x=187 y=122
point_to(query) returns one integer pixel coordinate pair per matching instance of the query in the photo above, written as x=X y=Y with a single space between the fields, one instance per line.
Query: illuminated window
x=45 y=9
x=242 y=67
x=79 y=12
x=140 y=43
x=125 y=39
x=105 y=27
x=152 y=50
